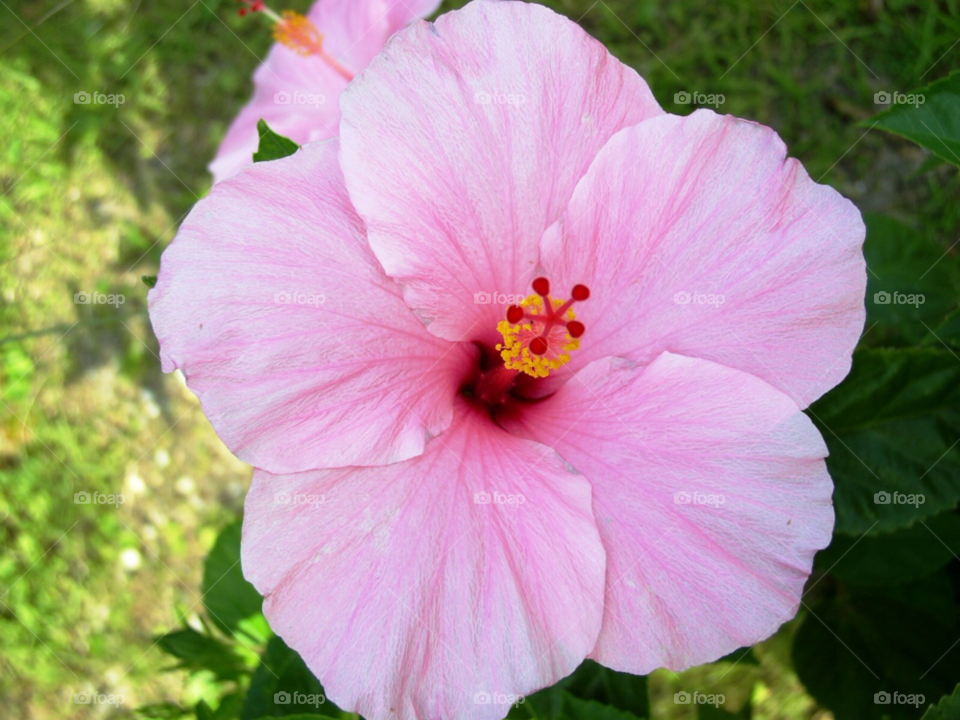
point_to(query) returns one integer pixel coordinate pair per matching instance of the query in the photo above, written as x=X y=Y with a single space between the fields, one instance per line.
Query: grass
x=92 y=195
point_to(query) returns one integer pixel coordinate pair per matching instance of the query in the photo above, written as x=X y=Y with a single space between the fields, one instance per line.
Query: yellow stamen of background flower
x=298 y=33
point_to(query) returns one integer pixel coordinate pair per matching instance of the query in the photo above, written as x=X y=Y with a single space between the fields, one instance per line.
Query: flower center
x=296 y=32
x=540 y=333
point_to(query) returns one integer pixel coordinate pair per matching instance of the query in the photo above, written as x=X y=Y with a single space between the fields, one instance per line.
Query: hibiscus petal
x=711 y=495
x=411 y=600
x=298 y=95
x=356 y=30
x=697 y=237
x=463 y=141
x=300 y=349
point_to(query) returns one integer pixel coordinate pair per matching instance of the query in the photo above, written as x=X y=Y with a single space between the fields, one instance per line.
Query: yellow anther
x=298 y=33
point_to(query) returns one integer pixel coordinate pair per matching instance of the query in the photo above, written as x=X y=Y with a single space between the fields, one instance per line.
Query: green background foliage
x=145 y=598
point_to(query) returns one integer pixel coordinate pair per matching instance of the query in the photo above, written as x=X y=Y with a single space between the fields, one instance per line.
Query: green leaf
x=272 y=146
x=946 y=334
x=710 y=712
x=228 y=597
x=576 y=709
x=202 y=652
x=740 y=656
x=909 y=282
x=891 y=427
x=203 y=711
x=283 y=686
x=229 y=707
x=298 y=717
x=896 y=557
x=934 y=124
x=947 y=709
x=162 y=711
x=590 y=681
x=149 y=280
x=862 y=641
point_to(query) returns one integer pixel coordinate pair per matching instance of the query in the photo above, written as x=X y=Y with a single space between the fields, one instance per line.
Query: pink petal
x=356 y=30
x=705 y=208
x=299 y=96
x=689 y=583
x=456 y=191
x=344 y=374
x=407 y=598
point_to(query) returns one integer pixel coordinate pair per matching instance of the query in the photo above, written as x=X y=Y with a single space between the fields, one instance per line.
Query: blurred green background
x=91 y=195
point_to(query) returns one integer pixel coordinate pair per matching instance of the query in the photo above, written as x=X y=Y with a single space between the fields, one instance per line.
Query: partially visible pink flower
x=615 y=467
x=298 y=93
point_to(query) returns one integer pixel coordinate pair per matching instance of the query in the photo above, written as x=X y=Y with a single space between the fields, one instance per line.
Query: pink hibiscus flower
x=297 y=88
x=458 y=500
